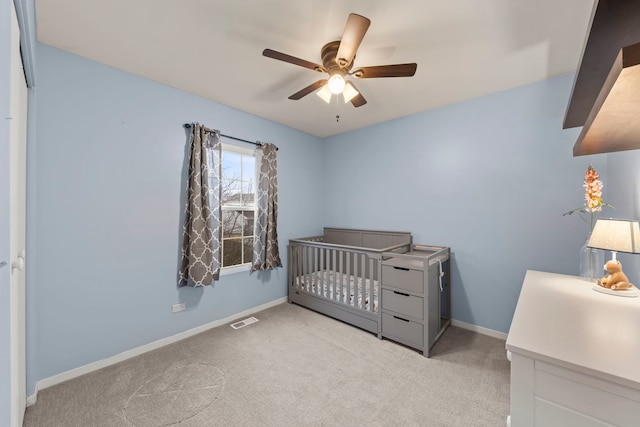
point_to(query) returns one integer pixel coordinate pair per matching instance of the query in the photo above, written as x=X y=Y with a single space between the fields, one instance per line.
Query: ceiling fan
x=337 y=61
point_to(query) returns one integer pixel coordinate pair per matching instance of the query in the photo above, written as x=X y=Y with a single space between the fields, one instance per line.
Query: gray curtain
x=200 y=264
x=265 y=244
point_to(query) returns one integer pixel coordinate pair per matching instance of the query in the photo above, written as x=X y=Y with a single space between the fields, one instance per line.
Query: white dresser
x=575 y=355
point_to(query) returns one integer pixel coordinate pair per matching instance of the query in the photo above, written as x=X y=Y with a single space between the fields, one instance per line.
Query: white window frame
x=245 y=151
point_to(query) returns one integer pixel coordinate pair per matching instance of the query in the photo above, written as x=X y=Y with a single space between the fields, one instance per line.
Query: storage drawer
x=402 y=303
x=403 y=278
x=402 y=329
x=578 y=394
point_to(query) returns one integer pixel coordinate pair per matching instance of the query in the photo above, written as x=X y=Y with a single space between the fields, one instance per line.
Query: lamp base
x=630 y=293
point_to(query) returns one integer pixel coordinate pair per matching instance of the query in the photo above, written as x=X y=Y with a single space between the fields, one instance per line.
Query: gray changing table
x=416 y=296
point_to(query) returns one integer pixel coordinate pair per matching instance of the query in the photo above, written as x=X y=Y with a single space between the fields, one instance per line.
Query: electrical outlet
x=175 y=308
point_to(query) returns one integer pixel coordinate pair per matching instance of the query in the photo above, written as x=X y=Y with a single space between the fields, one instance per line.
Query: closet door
x=17 y=224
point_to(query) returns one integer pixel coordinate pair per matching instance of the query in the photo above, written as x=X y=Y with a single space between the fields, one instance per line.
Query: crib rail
x=344 y=275
x=347 y=275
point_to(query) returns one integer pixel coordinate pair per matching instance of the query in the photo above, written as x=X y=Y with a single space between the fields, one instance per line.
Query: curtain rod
x=258 y=144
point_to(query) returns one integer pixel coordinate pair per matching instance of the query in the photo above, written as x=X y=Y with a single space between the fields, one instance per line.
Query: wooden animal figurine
x=616 y=279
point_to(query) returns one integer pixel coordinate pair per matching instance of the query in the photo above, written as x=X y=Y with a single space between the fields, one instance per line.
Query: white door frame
x=17 y=220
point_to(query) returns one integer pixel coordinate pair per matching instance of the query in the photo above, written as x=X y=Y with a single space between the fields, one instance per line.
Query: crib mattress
x=328 y=284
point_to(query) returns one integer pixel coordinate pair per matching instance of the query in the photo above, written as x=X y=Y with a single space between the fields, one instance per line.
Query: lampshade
x=617 y=235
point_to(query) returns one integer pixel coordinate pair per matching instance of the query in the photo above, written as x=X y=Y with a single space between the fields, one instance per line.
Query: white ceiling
x=213 y=48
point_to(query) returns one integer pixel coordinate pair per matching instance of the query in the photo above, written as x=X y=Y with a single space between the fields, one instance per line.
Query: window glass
x=238 y=205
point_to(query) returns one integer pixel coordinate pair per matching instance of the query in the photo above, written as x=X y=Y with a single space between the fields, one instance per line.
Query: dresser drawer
x=584 y=397
x=404 y=330
x=402 y=303
x=403 y=278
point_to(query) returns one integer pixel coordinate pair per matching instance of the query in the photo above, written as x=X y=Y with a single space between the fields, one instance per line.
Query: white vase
x=591 y=262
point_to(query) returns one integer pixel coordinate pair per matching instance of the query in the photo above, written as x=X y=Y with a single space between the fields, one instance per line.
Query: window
x=238 y=203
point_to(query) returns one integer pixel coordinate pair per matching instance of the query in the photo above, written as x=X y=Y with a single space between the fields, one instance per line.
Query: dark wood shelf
x=614 y=25
x=612 y=124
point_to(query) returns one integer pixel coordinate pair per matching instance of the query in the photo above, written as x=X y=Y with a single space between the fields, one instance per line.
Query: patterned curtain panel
x=265 y=244
x=200 y=264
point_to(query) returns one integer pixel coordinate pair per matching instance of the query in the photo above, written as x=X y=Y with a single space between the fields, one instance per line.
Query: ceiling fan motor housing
x=331 y=63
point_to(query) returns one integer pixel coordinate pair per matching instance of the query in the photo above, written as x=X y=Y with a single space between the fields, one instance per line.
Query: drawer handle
x=401 y=293
x=401 y=268
x=400 y=318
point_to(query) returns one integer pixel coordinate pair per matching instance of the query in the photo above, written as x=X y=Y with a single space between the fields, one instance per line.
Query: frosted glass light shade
x=617 y=235
x=349 y=92
x=325 y=94
x=336 y=84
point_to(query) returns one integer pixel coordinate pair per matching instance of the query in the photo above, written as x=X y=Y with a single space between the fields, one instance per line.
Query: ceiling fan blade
x=307 y=90
x=269 y=53
x=352 y=36
x=397 y=70
x=358 y=100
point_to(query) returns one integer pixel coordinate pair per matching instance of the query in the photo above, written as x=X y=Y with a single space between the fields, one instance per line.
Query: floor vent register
x=246 y=322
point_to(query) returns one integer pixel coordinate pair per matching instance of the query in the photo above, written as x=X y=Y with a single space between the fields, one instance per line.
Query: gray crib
x=340 y=274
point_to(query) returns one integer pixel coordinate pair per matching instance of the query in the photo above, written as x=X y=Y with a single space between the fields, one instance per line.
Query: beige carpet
x=294 y=367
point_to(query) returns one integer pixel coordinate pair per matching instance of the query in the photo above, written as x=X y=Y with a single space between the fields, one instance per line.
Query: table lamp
x=616 y=235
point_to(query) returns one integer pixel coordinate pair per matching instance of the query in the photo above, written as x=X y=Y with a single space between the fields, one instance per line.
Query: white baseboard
x=31 y=400
x=94 y=366
x=479 y=329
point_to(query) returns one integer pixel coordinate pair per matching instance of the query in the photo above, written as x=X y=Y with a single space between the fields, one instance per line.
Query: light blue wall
x=5 y=328
x=490 y=178
x=110 y=159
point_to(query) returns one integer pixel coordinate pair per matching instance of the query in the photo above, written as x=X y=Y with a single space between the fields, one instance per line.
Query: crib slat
x=321 y=268
x=356 y=273
x=367 y=285
x=295 y=262
x=360 y=282
x=309 y=269
x=341 y=269
x=303 y=266
x=333 y=272
x=304 y=251
x=363 y=275
x=348 y=268
x=314 y=269
x=353 y=263
x=372 y=286
x=318 y=270
x=366 y=296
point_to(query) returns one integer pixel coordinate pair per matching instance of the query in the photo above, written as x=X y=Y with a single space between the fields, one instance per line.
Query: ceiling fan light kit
x=348 y=93
x=337 y=60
